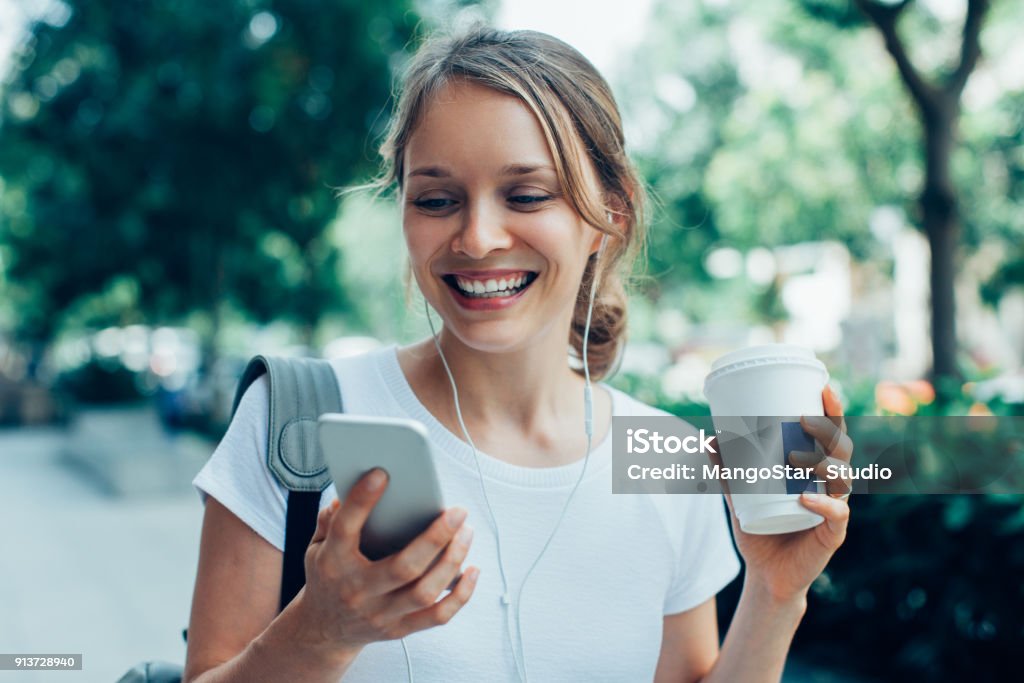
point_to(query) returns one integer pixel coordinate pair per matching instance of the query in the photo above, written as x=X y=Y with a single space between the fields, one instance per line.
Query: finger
x=442 y=611
x=833 y=409
x=323 y=521
x=347 y=524
x=834 y=486
x=836 y=513
x=818 y=464
x=831 y=403
x=425 y=592
x=835 y=442
x=805 y=459
x=411 y=562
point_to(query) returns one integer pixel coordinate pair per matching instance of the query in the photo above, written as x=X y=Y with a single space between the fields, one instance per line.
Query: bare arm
x=779 y=571
x=348 y=601
x=233 y=632
x=759 y=636
x=689 y=644
x=755 y=647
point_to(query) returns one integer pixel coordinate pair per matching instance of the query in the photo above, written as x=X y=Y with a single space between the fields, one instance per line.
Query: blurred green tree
x=166 y=158
x=762 y=126
x=937 y=103
x=676 y=92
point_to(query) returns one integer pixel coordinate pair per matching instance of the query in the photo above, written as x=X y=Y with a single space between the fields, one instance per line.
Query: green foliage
x=1010 y=274
x=781 y=122
x=187 y=150
x=679 y=89
x=928 y=584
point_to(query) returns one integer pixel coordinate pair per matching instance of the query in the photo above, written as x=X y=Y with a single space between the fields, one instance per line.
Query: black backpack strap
x=301 y=389
x=303 y=508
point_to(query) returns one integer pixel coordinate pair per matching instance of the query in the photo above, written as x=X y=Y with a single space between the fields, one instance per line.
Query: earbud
x=604 y=238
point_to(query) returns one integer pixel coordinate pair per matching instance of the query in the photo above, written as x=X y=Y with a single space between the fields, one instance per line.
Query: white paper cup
x=774 y=380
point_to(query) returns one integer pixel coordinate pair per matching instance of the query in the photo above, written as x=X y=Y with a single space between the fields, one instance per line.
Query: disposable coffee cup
x=756 y=395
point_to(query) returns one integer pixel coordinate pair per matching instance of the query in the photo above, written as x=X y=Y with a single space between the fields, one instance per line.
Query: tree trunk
x=941 y=224
x=942 y=229
x=938 y=105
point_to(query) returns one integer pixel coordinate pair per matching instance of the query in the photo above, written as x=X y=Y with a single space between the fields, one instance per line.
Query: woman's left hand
x=786 y=564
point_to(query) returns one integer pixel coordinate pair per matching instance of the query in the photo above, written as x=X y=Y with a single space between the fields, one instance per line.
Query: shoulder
x=363 y=360
x=628 y=406
x=675 y=510
x=366 y=371
x=253 y=407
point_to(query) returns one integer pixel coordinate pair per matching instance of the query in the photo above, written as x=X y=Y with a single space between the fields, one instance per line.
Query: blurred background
x=843 y=174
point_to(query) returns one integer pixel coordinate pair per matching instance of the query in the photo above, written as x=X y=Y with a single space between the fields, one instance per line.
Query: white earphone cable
x=520 y=658
x=588 y=413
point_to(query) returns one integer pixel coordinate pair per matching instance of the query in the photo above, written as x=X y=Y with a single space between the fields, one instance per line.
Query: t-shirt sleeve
x=707 y=560
x=237 y=474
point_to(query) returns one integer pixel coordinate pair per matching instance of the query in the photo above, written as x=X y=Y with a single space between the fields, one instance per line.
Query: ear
x=615 y=219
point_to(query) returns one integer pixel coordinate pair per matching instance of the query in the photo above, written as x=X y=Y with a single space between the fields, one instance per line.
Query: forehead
x=468 y=129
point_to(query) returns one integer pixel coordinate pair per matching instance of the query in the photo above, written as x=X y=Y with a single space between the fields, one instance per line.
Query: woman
x=518 y=199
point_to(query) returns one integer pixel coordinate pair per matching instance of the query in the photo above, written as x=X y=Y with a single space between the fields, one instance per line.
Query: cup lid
x=764 y=352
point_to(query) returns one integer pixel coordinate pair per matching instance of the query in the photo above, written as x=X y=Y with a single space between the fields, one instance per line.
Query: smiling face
x=495 y=246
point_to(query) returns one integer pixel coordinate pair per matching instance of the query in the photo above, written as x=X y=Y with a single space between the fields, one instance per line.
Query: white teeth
x=494 y=287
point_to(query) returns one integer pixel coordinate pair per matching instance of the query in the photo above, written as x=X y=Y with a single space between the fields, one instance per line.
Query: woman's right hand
x=350 y=600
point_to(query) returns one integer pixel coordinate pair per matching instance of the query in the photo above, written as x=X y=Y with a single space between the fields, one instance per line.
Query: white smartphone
x=353 y=445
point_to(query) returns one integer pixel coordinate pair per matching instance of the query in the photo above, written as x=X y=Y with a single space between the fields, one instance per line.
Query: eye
x=433 y=204
x=529 y=199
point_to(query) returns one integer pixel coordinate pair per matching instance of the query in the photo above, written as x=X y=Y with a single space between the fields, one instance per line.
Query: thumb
x=323 y=522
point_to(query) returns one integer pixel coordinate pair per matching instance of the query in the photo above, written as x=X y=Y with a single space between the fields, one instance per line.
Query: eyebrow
x=509 y=170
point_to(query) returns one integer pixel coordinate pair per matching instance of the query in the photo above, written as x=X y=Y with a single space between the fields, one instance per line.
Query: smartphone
x=353 y=445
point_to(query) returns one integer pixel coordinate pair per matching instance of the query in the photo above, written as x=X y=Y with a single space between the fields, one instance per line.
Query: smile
x=507 y=285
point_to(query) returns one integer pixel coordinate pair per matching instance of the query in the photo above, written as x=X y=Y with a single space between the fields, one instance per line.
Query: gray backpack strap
x=301 y=389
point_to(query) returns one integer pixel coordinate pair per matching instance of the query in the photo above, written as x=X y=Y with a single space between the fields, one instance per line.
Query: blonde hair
x=572 y=102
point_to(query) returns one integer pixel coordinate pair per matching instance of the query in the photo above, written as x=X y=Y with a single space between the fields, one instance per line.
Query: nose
x=481 y=231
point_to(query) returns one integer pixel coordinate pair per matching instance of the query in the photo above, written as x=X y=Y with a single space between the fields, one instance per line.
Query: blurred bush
x=101 y=381
x=925 y=588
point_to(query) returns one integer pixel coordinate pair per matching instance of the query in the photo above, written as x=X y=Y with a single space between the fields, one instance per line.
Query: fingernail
x=454 y=517
x=811 y=496
x=465 y=534
x=335 y=504
x=472 y=574
x=376 y=480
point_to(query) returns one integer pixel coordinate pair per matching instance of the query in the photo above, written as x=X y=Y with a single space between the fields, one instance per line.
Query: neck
x=529 y=391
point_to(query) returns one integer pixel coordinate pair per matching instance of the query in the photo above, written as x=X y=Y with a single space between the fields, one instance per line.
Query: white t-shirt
x=593 y=607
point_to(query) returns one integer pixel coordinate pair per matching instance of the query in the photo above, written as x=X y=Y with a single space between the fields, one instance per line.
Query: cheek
x=559 y=240
x=422 y=241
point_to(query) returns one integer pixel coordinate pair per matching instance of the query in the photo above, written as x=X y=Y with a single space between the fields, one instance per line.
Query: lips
x=487 y=274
